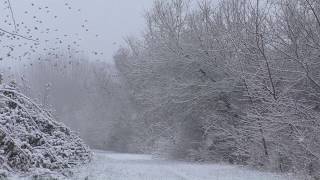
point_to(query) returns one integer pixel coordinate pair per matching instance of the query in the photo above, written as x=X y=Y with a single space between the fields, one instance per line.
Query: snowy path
x=112 y=166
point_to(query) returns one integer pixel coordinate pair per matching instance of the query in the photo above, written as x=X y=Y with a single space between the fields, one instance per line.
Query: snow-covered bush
x=30 y=139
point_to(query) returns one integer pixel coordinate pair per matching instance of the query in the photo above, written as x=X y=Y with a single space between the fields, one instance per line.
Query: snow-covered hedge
x=31 y=139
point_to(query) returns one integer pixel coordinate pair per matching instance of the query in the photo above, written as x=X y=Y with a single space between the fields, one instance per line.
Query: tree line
x=236 y=81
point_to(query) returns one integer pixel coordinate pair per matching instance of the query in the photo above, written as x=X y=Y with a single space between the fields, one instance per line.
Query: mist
x=163 y=89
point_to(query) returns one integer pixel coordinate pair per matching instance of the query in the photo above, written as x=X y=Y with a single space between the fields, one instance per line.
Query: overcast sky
x=112 y=20
x=101 y=24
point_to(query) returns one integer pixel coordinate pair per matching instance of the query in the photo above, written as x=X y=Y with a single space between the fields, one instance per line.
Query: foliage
x=32 y=140
x=235 y=82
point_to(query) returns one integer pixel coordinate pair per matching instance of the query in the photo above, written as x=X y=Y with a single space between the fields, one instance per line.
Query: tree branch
x=12 y=16
x=314 y=12
x=18 y=35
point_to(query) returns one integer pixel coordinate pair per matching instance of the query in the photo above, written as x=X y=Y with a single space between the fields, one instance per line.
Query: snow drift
x=31 y=139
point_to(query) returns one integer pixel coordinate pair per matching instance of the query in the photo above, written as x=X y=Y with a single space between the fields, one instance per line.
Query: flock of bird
x=34 y=38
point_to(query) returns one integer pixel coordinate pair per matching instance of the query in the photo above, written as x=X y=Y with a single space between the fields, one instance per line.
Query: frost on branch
x=31 y=139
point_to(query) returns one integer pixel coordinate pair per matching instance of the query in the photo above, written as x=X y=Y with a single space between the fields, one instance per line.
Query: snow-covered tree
x=236 y=82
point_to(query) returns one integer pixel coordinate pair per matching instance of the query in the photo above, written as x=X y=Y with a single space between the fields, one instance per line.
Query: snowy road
x=112 y=166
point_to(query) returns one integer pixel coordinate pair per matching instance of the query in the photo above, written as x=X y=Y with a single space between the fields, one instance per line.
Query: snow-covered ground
x=113 y=166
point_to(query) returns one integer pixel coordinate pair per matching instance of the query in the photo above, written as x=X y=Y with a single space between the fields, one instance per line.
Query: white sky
x=111 y=20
